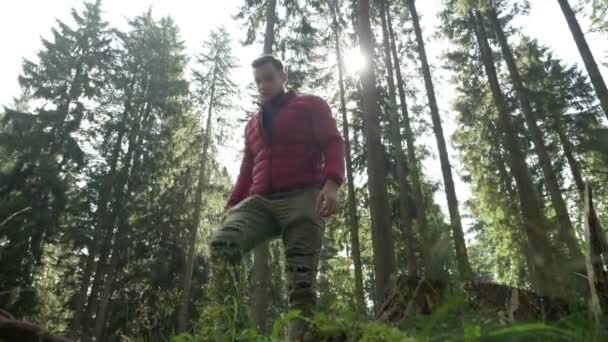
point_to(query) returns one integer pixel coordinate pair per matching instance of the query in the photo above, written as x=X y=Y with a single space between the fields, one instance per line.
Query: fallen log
x=415 y=295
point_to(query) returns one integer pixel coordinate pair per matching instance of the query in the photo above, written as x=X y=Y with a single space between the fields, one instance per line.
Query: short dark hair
x=268 y=58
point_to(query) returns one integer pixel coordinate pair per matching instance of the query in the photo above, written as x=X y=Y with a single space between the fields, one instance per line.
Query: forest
x=112 y=181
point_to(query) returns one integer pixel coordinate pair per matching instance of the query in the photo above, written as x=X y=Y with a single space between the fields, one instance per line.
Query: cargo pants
x=293 y=217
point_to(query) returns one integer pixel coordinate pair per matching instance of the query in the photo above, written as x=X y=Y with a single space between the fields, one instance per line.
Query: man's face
x=269 y=80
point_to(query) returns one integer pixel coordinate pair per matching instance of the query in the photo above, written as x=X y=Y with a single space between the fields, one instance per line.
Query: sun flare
x=354 y=61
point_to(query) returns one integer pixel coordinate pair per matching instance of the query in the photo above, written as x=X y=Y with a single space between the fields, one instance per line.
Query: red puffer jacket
x=305 y=150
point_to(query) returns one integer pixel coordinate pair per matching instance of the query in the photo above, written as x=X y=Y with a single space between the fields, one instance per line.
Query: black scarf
x=269 y=111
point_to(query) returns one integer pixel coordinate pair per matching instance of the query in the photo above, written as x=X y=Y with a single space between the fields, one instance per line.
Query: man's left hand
x=327 y=203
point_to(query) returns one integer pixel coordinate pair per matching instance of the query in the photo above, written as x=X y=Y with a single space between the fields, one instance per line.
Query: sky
x=23 y=22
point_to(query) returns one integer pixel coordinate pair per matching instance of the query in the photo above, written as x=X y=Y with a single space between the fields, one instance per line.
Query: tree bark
x=431 y=270
x=182 y=315
x=382 y=239
x=261 y=255
x=405 y=219
x=583 y=48
x=270 y=22
x=464 y=267
x=566 y=230
x=535 y=224
x=352 y=202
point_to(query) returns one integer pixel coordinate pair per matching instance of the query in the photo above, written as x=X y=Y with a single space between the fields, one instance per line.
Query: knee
x=224 y=250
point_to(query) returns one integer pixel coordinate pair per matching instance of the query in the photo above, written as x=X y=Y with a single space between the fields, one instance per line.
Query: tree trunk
x=566 y=231
x=575 y=168
x=182 y=315
x=405 y=219
x=105 y=192
x=464 y=268
x=513 y=210
x=261 y=255
x=535 y=224
x=352 y=202
x=581 y=43
x=270 y=21
x=122 y=234
x=382 y=239
x=112 y=215
x=596 y=276
x=421 y=220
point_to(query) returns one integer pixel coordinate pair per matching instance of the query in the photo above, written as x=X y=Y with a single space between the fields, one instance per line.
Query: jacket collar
x=278 y=100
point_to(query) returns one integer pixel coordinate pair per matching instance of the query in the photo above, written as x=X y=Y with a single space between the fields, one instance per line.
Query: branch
x=15 y=214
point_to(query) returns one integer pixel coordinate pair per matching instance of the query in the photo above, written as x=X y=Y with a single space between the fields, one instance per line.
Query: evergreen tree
x=353 y=219
x=457 y=233
x=405 y=212
x=44 y=149
x=566 y=230
x=216 y=91
x=384 y=259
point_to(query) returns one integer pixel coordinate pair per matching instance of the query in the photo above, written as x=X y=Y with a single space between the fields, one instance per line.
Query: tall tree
x=45 y=150
x=163 y=103
x=413 y=162
x=353 y=221
x=566 y=230
x=103 y=214
x=563 y=96
x=583 y=48
x=215 y=91
x=405 y=218
x=382 y=237
x=464 y=267
x=535 y=223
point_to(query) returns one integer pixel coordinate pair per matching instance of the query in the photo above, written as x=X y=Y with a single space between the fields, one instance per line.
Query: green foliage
x=103 y=174
x=451 y=321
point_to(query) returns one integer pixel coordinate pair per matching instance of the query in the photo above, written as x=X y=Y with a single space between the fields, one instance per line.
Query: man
x=292 y=168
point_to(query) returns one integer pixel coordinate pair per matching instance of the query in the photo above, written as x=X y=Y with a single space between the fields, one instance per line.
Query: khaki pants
x=290 y=215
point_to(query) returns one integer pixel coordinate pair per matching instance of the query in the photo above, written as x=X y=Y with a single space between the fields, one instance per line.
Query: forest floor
x=416 y=310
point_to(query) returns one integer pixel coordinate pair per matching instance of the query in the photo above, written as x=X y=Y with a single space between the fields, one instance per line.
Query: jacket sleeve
x=243 y=182
x=330 y=140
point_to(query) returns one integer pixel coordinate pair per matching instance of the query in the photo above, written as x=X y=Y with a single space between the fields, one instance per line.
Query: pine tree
x=457 y=233
x=216 y=91
x=535 y=223
x=413 y=162
x=405 y=217
x=566 y=230
x=71 y=69
x=353 y=219
x=383 y=253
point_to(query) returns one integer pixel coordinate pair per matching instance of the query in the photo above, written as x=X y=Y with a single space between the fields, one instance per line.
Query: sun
x=354 y=61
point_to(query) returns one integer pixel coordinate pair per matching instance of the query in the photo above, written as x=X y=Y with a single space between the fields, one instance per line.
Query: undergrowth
x=449 y=322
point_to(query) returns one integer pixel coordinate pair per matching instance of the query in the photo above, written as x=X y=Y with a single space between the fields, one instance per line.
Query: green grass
x=451 y=321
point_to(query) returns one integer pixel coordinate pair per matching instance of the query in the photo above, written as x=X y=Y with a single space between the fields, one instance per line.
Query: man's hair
x=264 y=59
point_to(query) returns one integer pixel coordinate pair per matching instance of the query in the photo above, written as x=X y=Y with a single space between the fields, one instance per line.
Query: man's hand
x=327 y=202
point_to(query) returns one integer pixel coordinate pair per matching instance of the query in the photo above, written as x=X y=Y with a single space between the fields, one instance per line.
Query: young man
x=292 y=168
